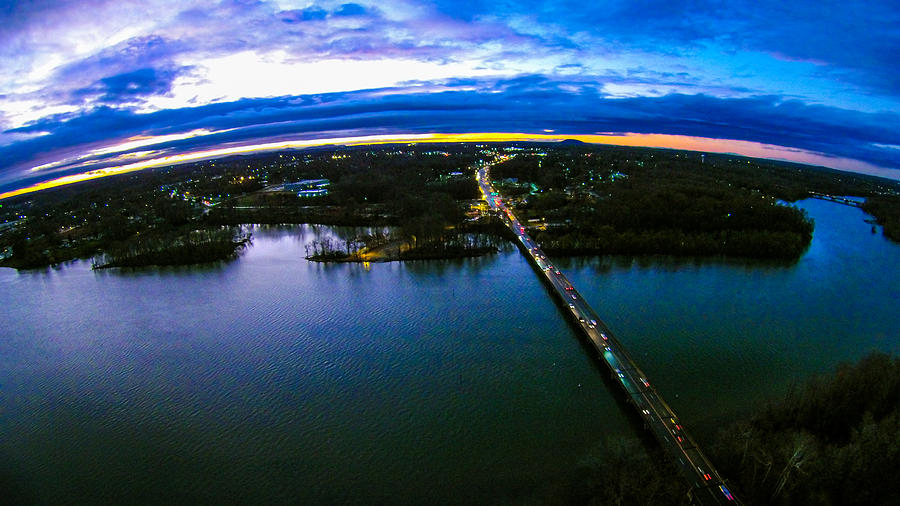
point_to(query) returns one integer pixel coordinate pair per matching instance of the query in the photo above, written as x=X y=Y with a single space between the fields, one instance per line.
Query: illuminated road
x=706 y=484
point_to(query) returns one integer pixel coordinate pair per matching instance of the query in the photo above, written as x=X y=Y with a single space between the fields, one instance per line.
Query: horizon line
x=734 y=147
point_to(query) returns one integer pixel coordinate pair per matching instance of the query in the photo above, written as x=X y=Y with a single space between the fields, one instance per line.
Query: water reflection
x=606 y=263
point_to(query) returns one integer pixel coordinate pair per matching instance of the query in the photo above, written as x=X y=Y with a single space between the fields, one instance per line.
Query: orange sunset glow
x=702 y=144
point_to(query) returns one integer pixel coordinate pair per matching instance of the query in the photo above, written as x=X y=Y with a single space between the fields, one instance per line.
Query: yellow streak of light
x=135 y=142
x=745 y=148
x=140 y=141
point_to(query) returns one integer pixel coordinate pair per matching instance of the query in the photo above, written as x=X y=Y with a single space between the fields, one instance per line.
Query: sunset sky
x=94 y=84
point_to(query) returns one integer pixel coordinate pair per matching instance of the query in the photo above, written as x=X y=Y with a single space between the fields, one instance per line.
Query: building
x=309 y=187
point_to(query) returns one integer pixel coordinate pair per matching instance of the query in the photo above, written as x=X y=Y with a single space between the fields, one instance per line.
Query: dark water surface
x=274 y=379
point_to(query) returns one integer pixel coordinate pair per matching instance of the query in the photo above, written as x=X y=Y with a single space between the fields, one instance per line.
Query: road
x=707 y=485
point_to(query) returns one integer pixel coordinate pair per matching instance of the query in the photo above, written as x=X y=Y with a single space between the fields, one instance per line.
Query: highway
x=707 y=486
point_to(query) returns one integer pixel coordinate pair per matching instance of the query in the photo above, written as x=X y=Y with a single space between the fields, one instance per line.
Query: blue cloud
x=300 y=16
x=126 y=87
x=855 y=42
x=351 y=9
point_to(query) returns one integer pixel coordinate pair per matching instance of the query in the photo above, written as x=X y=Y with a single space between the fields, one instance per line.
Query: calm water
x=275 y=379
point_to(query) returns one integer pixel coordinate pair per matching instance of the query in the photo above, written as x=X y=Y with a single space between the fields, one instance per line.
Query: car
x=726 y=492
x=574 y=297
x=570 y=287
x=571 y=306
x=557 y=272
x=645 y=382
x=620 y=373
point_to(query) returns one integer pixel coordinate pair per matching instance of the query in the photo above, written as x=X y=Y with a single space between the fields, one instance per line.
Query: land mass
x=830 y=441
x=577 y=198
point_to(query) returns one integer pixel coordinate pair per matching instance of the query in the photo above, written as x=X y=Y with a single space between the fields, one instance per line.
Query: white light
x=251 y=74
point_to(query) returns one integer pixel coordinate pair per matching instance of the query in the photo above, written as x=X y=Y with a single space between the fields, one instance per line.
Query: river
x=274 y=379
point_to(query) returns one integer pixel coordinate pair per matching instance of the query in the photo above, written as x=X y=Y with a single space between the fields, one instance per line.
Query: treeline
x=835 y=441
x=886 y=210
x=408 y=244
x=619 y=471
x=670 y=216
x=749 y=243
x=351 y=215
x=174 y=248
x=451 y=244
x=333 y=249
x=565 y=165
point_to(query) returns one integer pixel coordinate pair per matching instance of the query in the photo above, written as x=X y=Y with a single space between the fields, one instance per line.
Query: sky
x=95 y=87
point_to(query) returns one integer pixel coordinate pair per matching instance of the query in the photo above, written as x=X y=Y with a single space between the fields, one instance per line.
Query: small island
x=185 y=248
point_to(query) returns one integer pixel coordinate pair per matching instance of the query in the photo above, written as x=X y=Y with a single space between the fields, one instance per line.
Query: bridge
x=707 y=486
x=835 y=198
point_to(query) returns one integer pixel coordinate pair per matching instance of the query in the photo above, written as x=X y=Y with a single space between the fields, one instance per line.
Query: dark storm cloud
x=529 y=103
x=142 y=61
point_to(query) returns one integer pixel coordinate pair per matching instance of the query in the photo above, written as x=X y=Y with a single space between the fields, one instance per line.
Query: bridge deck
x=707 y=485
x=836 y=198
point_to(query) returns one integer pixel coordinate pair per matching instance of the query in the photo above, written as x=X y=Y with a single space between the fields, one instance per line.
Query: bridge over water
x=707 y=486
x=835 y=198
